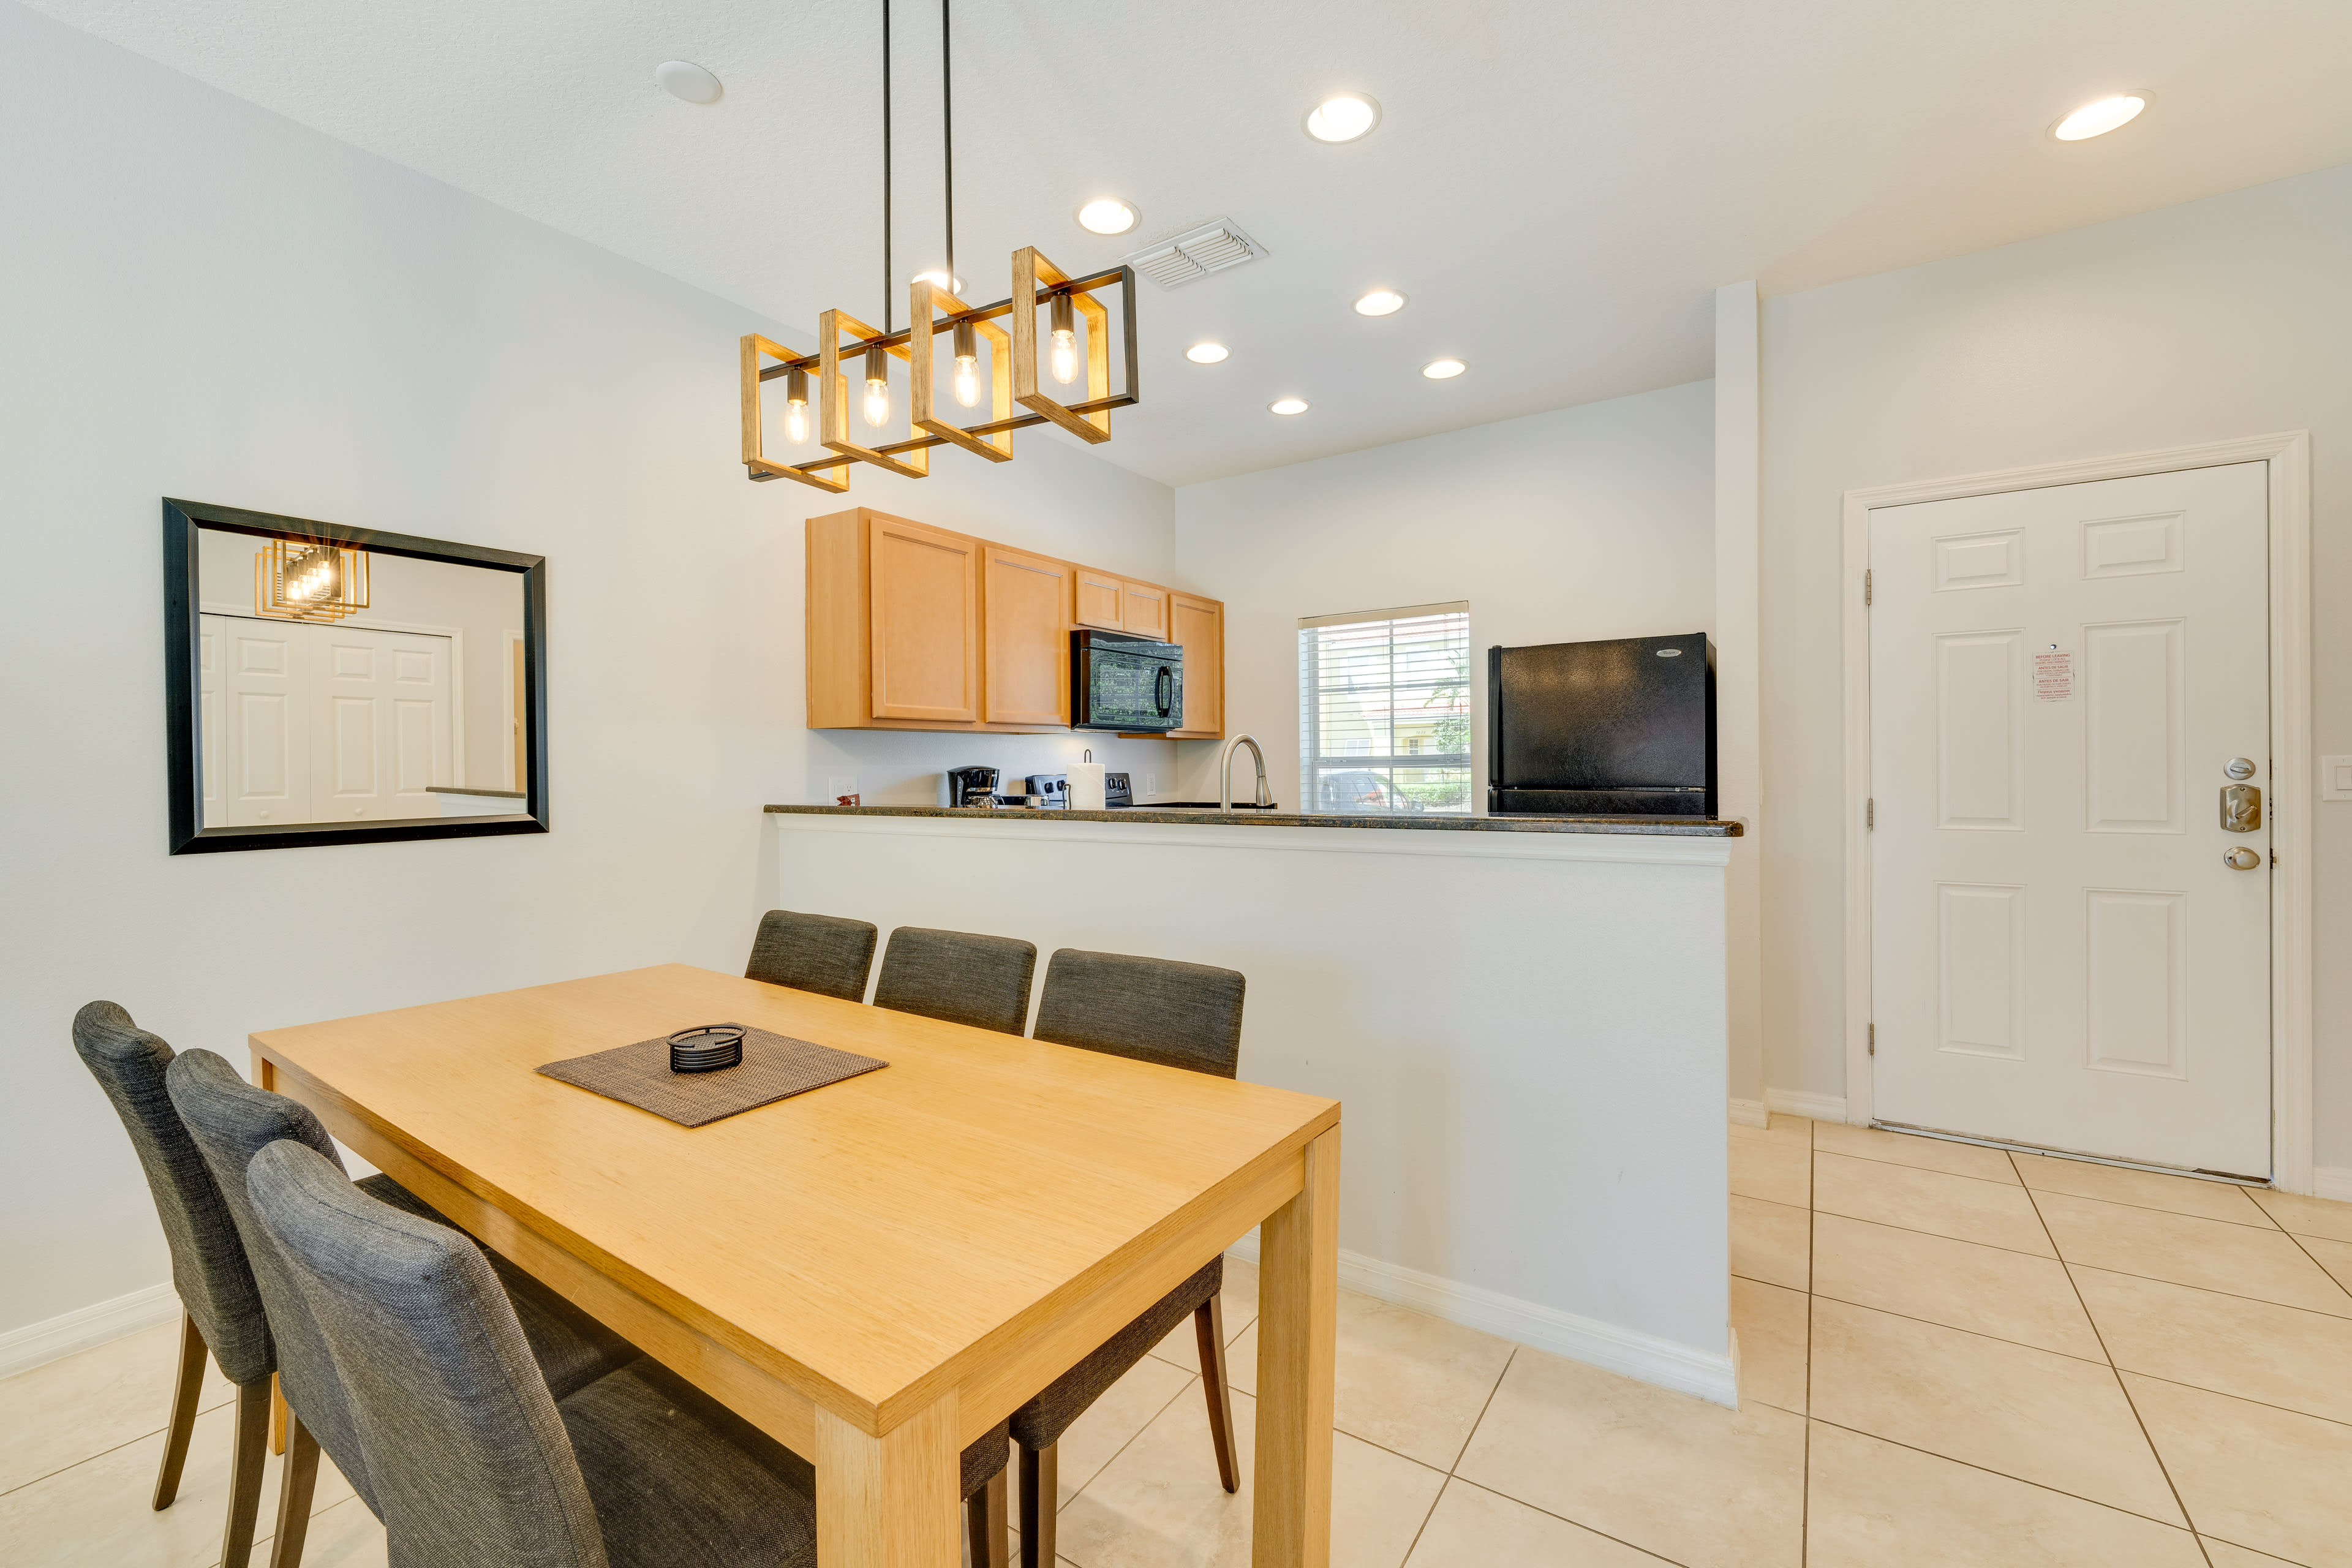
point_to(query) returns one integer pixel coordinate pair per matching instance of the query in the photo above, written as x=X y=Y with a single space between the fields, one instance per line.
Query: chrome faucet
x=1225 y=774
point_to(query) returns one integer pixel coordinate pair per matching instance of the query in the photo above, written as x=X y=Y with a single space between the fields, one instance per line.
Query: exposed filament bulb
x=967 y=365
x=1066 y=340
x=877 y=388
x=796 y=407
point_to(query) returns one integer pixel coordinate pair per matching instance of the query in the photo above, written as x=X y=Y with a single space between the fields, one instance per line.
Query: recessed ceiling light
x=684 y=78
x=1288 y=405
x=1444 y=369
x=2098 y=119
x=1380 y=302
x=1205 y=354
x=1342 y=117
x=1107 y=216
x=938 y=279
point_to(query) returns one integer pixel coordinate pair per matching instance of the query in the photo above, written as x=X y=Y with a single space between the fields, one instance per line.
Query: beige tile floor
x=1950 y=1357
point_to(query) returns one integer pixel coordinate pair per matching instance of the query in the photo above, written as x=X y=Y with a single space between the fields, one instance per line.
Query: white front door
x=380 y=723
x=2065 y=953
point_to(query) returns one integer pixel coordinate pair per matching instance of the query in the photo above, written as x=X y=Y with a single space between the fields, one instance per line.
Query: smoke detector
x=1194 y=254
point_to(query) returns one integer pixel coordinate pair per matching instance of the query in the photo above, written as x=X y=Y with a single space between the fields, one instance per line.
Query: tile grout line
x=2299 y=1246
x=1423 y=1529
x=1812 y=1257
x=1141 y=1427
x=2268 y=1223
x=2121 y=1387
x=2242 y=1399
x=1957 y=1329
x=1548 y=1513
x=2007 y=1475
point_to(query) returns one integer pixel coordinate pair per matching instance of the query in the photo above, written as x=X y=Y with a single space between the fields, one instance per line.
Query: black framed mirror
x=334 y=685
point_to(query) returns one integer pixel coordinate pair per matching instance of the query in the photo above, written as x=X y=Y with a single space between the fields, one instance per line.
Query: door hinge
x=1870 y=812
x=1873 y=1039
x=1865 y=587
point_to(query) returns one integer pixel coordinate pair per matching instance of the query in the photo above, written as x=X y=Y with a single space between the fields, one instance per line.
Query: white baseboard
x=1747 y=1114
x=1819 y=1106
x=2332 y=1182
x=37 y=1344
x=1637 y=1355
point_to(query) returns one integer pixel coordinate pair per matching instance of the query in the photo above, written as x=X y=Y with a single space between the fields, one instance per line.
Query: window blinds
x=1384 y=710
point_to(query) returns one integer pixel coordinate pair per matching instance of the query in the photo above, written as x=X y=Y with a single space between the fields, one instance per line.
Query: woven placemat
x=775 y=1068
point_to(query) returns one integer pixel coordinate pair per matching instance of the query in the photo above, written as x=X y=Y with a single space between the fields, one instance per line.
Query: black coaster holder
x=713 y=1047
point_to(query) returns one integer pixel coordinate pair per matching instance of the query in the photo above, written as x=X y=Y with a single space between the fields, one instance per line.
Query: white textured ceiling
x=1558 y=185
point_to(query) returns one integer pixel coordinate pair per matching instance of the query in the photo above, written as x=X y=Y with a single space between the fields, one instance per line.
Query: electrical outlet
x=2336 y=778
x=1150 y=781
x=837 y=785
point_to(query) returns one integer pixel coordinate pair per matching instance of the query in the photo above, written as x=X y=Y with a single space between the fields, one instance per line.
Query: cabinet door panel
x=1143 y=610
x=925 y=597
x=1198 y=625
x=1025 y=645
x=1099 y=596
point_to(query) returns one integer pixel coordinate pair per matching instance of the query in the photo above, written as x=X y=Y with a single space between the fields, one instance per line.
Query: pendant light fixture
x=1009 y=384
x=305 y=580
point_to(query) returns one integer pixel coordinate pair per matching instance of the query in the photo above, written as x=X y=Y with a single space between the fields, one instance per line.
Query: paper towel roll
x=1086 y=786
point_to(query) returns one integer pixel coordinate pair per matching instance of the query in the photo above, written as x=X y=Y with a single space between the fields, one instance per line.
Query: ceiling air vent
x=1211 y=247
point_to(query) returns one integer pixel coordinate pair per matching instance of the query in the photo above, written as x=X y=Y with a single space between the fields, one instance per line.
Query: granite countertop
x=1661 y=826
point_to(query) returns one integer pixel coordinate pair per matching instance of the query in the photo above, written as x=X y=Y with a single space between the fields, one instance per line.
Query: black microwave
x=1122 y=682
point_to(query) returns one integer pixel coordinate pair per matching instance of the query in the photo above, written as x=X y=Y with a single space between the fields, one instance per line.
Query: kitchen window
x=1384 y=710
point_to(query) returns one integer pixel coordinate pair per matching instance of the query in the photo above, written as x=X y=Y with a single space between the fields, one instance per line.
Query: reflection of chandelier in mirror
x=1010 y=385
x=298 y=580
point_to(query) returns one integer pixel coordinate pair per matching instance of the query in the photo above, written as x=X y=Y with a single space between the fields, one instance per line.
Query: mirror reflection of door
x=518 y=705
x=366 y=717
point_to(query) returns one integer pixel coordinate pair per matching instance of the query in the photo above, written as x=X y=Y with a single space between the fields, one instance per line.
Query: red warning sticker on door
x=2054 y=677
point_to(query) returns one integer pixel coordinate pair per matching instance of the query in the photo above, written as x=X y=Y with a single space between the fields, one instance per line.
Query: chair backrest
x=823 y=954
x=1152 y=1009
x=469 y=1457
x=208 y=1265
x=957 y=976
x=231 y=1121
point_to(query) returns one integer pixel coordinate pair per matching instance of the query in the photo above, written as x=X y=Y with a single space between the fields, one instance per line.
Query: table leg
x=892 y=1502
x=1297 y=1330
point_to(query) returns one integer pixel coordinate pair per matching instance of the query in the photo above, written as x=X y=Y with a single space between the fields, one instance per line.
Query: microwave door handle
x=1163 y=690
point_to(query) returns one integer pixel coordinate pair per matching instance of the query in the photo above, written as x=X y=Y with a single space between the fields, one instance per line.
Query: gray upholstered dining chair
x=471 y=1458
x=1174 y=1015
x=823 y=954
x=229 y=1120
x=964 y=978
x=221 y=1305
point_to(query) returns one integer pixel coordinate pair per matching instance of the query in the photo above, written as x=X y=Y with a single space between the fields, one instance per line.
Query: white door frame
x=2294 y=782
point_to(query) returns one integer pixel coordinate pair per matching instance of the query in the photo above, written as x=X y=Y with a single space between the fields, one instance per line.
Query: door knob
x=2241 y=808
x=2241 y=859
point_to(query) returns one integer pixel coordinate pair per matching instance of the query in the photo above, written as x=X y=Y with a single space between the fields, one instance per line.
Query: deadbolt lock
x=2241 y=808
x=2241 y=859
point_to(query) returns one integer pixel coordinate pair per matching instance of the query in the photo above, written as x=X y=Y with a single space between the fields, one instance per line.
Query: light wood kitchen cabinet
x=915 y=627
x=1143 y=611
x=1101 y=597
x=1198 y=626
x=1024 y=637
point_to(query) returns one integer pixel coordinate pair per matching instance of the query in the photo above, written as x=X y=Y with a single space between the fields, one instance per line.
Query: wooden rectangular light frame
x=1030 y=271
x=269 y=597
x=831 y=477
x=929 y=301
x=832 y=395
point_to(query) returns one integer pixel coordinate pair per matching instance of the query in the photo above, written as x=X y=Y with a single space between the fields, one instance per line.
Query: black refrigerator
x=1602 y=729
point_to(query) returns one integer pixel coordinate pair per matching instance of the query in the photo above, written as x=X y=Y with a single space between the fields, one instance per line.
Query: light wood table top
x=923 y=1247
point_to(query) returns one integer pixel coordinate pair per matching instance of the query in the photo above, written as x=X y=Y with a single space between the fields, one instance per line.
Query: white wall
x=1531 y=1072
x=2226 y=317
x=1587 y=522
x=199 y=298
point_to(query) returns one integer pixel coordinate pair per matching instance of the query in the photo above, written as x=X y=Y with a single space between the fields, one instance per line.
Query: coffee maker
x=971 y=786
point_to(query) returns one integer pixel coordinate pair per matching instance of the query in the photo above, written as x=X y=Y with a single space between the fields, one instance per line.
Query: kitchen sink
x=1197 y=806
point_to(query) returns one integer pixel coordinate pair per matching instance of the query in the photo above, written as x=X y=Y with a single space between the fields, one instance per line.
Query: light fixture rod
x=888 y=319
x=947 y=141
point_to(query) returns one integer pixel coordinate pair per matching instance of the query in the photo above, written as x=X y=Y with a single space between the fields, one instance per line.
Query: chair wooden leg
x=985 y=1518
x=298 y=1478
x=1209 y=1328
x=1041 y=1489
x=184 y=1391
x=248 y=1456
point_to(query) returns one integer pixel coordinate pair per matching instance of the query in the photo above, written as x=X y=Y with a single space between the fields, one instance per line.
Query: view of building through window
x=1384 y=710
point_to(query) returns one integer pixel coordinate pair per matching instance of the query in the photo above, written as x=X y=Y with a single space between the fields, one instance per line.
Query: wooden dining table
x=877 y=1272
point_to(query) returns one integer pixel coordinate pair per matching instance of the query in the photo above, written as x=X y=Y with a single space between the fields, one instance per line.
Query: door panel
x=924 y=618
x=2061 y=955
x=264 y=702
x=1027 y=604
x=1143 y=610
x=1198 y=626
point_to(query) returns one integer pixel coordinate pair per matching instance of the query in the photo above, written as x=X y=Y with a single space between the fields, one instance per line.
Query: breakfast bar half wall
x=1525 y=1019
